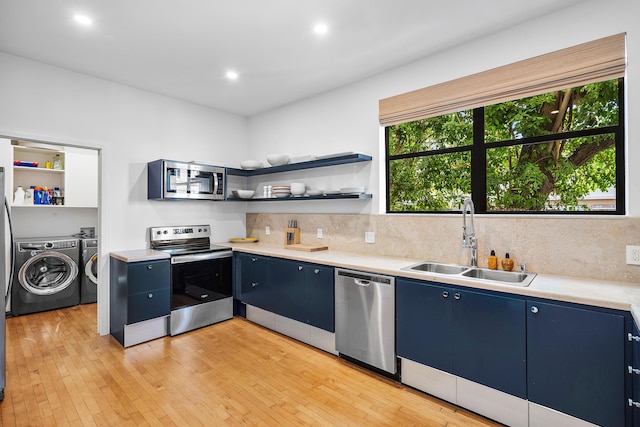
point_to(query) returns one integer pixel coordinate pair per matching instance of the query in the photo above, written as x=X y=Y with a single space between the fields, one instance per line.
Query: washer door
x=47 y=273
x=91 y=269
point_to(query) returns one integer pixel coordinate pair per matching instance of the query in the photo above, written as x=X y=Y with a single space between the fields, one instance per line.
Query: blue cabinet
x=479 y=336
x=252 y=277
x=297 y=290
x=288 y=289
x=320 y=296
x=139 y=291
x=634 y=372
x=576 y=361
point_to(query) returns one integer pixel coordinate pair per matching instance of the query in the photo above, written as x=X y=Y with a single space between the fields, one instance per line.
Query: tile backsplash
x=589 y=247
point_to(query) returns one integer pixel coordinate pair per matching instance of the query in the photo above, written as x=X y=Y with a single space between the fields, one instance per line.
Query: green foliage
x=553 y=175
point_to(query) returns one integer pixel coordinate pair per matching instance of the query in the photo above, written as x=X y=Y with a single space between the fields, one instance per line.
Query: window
x=541 y=135
x=545 y=153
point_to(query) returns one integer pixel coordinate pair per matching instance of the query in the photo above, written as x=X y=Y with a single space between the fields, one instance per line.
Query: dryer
x=46 y=274
x=89 y=273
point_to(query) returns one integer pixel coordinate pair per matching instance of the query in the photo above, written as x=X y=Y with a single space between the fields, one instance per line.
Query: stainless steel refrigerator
x=6 y=275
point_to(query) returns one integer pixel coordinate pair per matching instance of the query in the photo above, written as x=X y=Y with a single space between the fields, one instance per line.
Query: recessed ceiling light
x=320 y=29
x=232 y=75
x=82 y=19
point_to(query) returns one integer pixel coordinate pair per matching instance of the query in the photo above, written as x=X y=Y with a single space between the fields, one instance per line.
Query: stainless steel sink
x=484 y=274
x=514 y=278
x=437 y=267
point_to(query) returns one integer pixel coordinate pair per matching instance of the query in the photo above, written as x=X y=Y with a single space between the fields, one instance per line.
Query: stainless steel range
x=201 y=276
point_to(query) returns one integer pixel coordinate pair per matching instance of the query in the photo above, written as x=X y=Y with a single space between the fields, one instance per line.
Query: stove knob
x=165 y=231
x=199 y=230
x=158 y=232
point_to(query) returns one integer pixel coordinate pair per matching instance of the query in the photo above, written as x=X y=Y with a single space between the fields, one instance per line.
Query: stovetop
x=183 y=240
x=188 y=250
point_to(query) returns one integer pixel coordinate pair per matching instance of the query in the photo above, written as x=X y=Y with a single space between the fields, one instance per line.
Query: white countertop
x=601 y=293
x=139 y=255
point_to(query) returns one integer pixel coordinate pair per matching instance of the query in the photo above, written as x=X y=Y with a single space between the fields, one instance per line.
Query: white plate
x=332 y=192
x=352 y=190
x=315 y=192
x=331 y=156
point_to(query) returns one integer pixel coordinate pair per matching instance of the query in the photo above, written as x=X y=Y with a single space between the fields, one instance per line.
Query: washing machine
x=46 y=274
x=89 y=273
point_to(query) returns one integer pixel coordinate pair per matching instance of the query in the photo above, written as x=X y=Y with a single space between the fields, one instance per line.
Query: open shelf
x=282 y=199
x=318 y=163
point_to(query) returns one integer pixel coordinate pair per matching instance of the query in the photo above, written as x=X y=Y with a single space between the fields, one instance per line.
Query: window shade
x=590 y=62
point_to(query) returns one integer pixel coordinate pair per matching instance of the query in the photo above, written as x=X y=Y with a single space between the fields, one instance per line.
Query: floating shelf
x=318 y=163
x=283 y=199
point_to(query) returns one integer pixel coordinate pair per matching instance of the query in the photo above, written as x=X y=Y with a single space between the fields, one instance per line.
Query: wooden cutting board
x=306 y=248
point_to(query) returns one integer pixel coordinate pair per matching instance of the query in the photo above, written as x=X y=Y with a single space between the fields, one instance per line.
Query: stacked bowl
x=281 y=191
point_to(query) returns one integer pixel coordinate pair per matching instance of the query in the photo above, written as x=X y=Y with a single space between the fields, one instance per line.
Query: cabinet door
x=148 y=305
x=81 y=177
x=576 y=362
x=287 y=282
x=320 y=296
x=424 y=317
x=148 y=276
x=489 y=341
x=254 y=280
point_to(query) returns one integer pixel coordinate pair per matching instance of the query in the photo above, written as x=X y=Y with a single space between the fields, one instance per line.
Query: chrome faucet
x=469 y=238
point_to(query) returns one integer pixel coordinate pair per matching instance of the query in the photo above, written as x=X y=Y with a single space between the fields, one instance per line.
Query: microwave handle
x=215 y=183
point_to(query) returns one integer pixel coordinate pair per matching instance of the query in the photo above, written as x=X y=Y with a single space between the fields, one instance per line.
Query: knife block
x=291 y=236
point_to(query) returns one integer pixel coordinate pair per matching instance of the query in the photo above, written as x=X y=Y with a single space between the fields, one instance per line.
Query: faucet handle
x=523 y=267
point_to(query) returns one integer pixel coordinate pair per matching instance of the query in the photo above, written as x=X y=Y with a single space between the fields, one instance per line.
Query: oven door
x=200 y=278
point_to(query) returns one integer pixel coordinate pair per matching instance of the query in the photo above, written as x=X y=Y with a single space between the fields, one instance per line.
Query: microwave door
x=176 y=182
x=201 y=183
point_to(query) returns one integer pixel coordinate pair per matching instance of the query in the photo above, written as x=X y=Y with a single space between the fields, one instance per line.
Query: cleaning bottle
x=493 y=260
x=507 y=263
x=18 y=198
x=57 y=162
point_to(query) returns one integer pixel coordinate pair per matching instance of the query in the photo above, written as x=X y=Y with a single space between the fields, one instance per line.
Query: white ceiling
x=183 y=48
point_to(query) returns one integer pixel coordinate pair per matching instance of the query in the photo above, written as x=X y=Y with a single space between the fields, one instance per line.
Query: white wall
x=130 y=127
x=346 y=119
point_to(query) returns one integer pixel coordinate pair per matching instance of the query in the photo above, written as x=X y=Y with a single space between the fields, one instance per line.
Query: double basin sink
x=494 y=276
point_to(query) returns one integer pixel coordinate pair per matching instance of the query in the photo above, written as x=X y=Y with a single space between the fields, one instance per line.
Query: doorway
x=60 y=183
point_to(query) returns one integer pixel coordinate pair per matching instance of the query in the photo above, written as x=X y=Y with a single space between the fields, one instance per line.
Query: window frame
x=478 y=151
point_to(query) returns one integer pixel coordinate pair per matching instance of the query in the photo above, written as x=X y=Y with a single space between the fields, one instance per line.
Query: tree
x=549 y=175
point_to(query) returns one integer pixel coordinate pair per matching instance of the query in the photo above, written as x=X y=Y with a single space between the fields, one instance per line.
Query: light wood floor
x=60 y=372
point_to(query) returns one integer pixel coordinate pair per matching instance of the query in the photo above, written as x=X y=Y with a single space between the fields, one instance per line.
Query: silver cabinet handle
x=445 y=294
x=300 y=268
x=633 y=404
x=150 y=295
x=254 y=259
x=633 y=371
x=534 y=309
x=254 y=284
x=149 y=267
x=316 y=271
x=457 y=296
x=632 y=337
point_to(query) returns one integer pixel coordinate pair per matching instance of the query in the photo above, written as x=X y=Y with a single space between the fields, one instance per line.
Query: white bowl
x=315 y=192
x=251 y=164
x=278 y=159
x=298 y=188
x=245 y=194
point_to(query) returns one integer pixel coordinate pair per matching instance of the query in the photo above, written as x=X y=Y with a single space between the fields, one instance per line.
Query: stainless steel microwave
x=174 y=180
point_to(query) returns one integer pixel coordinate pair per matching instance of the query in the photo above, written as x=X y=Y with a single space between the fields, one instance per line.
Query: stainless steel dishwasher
x=365 y=318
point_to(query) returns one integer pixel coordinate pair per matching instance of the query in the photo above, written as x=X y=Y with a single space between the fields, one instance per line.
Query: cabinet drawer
x=148 y=305
x=148 y=276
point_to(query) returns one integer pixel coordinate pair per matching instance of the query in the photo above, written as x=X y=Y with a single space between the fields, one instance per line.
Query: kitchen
x=131 y=127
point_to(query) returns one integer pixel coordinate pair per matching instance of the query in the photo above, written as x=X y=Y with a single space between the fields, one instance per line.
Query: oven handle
x=181 y=259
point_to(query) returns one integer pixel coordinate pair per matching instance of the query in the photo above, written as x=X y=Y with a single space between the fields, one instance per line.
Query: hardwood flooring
x=61 y=372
